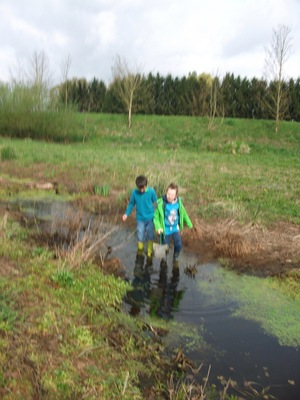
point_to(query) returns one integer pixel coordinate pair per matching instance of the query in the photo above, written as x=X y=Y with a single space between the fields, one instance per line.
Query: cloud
x=167 y=36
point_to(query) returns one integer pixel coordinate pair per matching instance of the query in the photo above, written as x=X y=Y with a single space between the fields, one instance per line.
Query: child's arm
x=130 y=207
x=157 y=223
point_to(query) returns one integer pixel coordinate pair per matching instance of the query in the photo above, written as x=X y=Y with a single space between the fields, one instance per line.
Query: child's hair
x=141 y=181
x=173 y=186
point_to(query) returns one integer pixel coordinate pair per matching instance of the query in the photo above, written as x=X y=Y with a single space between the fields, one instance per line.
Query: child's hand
x=124 y=217
x=160 y=231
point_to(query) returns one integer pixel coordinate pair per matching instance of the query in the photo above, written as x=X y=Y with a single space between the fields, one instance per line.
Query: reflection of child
x=170 y=217
x=143 y=198
x=165 y=298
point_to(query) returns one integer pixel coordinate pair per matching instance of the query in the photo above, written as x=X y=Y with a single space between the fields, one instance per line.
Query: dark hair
x=173 y=186
x=141 y=181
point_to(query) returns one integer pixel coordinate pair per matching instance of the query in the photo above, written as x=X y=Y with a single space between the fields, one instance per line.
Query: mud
x=272 y=250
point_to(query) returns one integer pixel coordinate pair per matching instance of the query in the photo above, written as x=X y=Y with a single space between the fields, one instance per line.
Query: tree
x=277 y=55
x=215 y=108
x=65 y=69
x=40 y=79
x=126 y=84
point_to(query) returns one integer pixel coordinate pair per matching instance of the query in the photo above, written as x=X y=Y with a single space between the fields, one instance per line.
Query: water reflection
x=242 y=351
x=161 y=294
x=141 y=285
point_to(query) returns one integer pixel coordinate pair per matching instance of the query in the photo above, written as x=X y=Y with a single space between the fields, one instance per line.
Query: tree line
x=203 y=95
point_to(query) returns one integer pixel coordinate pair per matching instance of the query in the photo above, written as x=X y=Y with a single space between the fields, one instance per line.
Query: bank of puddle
x=237 y=327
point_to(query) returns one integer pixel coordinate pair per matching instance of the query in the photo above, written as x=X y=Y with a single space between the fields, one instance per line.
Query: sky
x=174 y=37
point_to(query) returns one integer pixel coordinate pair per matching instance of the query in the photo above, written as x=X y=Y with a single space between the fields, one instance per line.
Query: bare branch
x=126 y=83
x=277 y=55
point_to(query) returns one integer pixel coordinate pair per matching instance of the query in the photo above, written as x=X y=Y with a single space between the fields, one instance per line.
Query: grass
x=63 y=334
x=57 y=328
x=238 y=170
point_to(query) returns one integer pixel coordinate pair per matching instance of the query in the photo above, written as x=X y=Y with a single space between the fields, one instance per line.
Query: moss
x=264 y=301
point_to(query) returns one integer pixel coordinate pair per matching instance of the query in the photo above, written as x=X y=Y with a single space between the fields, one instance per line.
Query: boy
x=169 y=219
x=143 y=198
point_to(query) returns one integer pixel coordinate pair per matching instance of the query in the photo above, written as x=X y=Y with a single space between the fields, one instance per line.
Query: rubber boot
x=176 y=260
x=149 y=253
x=149 y=248
x=140 y=247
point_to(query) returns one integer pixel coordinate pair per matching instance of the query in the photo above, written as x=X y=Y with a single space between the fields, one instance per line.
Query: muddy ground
x=273 y=250
x=264 y=251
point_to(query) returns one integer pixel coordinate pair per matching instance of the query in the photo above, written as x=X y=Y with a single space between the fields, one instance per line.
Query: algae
x=258 y=299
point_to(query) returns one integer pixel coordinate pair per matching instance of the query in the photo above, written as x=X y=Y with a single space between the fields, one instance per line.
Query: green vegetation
x=64 y=328
x=7 y=153
x=238 y=170
x=61 y=323
x=102 y=190
x=271 y=303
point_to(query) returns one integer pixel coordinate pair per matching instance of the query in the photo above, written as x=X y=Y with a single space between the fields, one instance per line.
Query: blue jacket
x=144 y=203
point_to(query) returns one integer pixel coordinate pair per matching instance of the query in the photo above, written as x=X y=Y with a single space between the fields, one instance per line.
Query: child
x=169 y=218
x=143 y=198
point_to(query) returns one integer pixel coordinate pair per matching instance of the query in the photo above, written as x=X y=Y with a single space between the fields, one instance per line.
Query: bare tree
x=65 y=69
x=39 y=77
x=126 y=82
x=17 y=74
x=277 y=55
x=215 y=108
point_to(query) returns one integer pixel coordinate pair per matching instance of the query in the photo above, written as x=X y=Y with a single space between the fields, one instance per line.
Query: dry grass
x=79 y=238
x=272 y=250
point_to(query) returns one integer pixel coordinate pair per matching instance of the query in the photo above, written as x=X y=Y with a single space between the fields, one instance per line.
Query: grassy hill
x=239 y=169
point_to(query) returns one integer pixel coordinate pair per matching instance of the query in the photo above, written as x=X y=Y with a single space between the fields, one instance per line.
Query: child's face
x=171 y=195
x=142 y=189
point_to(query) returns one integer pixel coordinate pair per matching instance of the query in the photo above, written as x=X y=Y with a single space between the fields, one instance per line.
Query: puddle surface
x=251 y=332
x=236 y=315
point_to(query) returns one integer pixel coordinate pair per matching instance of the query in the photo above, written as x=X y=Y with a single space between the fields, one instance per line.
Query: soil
x=272 y=250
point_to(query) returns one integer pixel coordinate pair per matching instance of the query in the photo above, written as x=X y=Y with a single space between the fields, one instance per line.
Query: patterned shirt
x=172 y=218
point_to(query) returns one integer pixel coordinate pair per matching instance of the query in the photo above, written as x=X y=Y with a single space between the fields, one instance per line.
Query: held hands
x=160 y=231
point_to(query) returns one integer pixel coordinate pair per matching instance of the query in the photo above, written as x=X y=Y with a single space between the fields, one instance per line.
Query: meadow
x=63 y=332
x=239 y=169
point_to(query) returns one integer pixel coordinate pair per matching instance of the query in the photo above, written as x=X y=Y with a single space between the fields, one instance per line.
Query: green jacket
x=159 y=215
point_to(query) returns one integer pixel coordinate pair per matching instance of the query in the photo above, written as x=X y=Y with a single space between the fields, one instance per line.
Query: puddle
x=249 y=331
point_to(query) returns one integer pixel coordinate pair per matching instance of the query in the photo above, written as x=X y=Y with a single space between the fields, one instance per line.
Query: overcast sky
x=158 y=36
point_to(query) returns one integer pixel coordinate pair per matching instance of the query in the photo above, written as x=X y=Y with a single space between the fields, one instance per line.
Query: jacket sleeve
x=154 y=197
x=186 y=218
x=156 y=220
x=131 y=204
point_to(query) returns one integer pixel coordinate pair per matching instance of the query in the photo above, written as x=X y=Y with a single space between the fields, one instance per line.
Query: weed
x=7 y=314
x=63 y=278
x=7 y=153
x=102 y=190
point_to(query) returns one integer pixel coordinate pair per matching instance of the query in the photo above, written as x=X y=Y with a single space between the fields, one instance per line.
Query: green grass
x=238 y=170
x=58 y=323
x=61 y=327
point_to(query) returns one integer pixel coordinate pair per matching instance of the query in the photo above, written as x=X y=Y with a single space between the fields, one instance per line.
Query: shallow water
x=233 y=314
x=237 y=348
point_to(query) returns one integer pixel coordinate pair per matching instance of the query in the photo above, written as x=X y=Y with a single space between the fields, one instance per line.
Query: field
x=62 y=332
x=240 y=182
